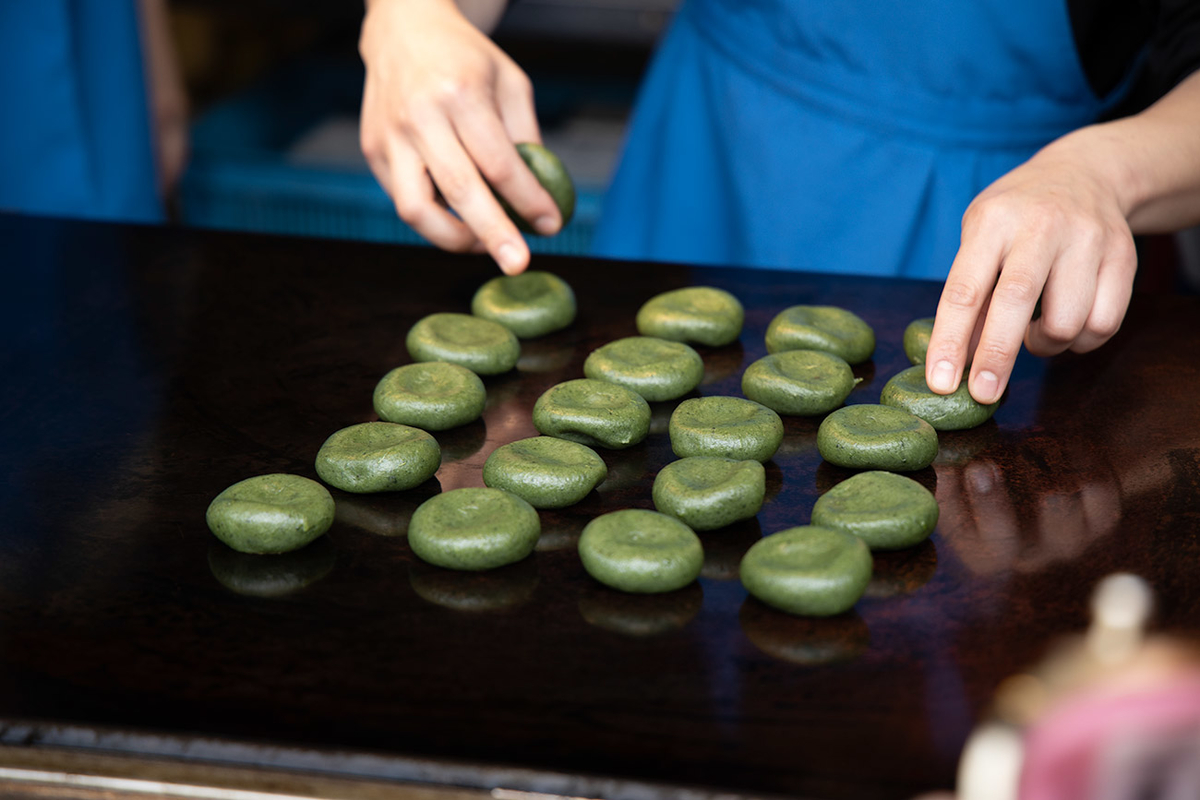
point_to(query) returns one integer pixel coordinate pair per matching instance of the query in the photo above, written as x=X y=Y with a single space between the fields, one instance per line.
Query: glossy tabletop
x=144 y=370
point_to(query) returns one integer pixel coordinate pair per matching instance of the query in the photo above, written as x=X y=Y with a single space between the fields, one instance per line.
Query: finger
x=514 y=98
x=1066 y=300
x=1114 y=287
x=964 y=297
x=485 y=138
x=413 y=193
x=463 y=188
x=1022 y=277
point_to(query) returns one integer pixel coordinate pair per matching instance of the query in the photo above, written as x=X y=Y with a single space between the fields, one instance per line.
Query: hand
x=442 y=107
x=1055 y=228
x=167 y=96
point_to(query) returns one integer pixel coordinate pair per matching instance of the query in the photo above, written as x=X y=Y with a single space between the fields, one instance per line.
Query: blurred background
x=275 y=90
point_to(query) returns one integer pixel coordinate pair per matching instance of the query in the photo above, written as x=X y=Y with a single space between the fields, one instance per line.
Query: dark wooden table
x=144 y=370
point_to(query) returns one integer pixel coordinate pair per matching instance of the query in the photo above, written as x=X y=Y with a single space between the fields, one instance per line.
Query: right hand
x=442 y=106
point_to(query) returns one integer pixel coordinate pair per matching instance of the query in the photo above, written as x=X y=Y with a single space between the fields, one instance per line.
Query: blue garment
x=74 y=127
x=837 y=136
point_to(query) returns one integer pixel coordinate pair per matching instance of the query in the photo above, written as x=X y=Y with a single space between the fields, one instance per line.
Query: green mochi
x=641 y=551
x=799 y=382
x=726 y=427
x=700 y=314
x=480 y=345
x=945 y=412
x=916 y=339
x=274 y=513
x=434 y=396
x=544 y=471
x=709 y=493
x=828 y=328
x=593 y=413
x=877 y=437
x=885 y=510
x=654 y=368
x=552 y=174
x=808 y=571
x=531 y=304
x=473 y=529
x=378 y=457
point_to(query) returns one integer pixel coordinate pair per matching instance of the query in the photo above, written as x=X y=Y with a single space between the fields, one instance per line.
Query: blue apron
x=837 y=136
x=74 y=128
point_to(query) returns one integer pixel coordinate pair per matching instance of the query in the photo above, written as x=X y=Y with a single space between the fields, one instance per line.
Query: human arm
x=1061 y=227
x=168 y=102
x=442 y=107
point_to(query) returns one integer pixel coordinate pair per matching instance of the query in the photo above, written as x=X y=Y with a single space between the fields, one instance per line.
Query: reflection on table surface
x=155 y=367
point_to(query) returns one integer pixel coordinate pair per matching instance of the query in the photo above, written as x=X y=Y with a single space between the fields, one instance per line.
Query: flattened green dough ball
x=378 y=457
x=945 y=412
x=877 y=437
x=700 y=314
x=916 y=339
x=593 y=413
x=480 y=345
x=726 y=427
x=708 y=493
x=640 y=551
x=270 y=513
x=544 y=471
x=828 y=328
x=473 y=529
x=809 y=570
x=435 y=396
x=531 y=304
x=654 y=368
x=885 y=510
x=800 y=382
x=552 y=175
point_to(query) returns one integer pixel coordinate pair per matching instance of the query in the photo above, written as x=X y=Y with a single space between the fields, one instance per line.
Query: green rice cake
x=531 y=304
x=654 y=368
x=916 y=339
x=544 y=471
x=434 y=396
x=641 y=551
x=700 y=314
x=885 y=510
x=708 y=493
x=480 y=345
x=877 y=437
x=828 y=328
x=473 y=529
x=726 y=427
x=945 y=412
x=799 y=382
x=274 y=513
x=378 y=457
x=593 y=413
x=808 y=571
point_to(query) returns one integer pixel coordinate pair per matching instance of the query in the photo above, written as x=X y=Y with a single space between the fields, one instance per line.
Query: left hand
x=1053 y=227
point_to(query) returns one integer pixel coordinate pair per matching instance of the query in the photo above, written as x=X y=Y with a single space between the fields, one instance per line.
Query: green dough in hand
x=435 y=396
x=877 y=437
x=885 y=510
x=809 y=570
x=593 y=413
x=799 y=382
x=727 y=427
x=530 y=304
x=473 y=529
x=700 y=314
x=641 y=551
x=828 y=328
x=270 y=513
x=916 y=339
x=544 y=471
x=548 y=168
x=480 y=345
x=709 y=493
x=654 y=368
x=945 y=412
x=378 y=457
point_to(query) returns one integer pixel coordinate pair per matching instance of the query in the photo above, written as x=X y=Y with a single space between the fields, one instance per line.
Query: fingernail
x=986 y=386
x=943 y=377
x=509 y=257
x=546 y=226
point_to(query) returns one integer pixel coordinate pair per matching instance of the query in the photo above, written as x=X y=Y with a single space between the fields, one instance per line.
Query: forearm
x=1152 y=160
